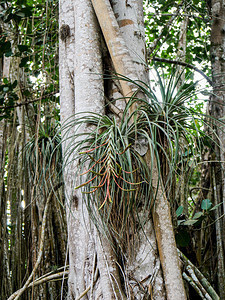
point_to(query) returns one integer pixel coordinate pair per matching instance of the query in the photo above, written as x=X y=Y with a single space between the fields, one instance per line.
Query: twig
x=219 y=237
x=48 y=278
x=183 y=15
x=114 y=109
x=19 y=292
x=181 y=63
x=27 y=102
x=167 y=25
x=52 y=272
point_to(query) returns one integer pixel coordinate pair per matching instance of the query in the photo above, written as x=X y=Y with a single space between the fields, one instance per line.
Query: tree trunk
x=217 y=111
x=181 y=55
x=139 y=275
x=81 y=89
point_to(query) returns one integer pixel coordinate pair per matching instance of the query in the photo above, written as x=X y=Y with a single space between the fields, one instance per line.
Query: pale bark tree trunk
x=181 y=56
x=182 y=45
x=4 y=252
x=217 y=110
x=82 y=90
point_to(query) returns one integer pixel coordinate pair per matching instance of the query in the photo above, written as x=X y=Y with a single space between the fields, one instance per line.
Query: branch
x=19 y=292
x=181 y=63
x=48 y=278
x=114 y=109
x=195 y=286
x=120 y=55
x=209 y=289
x=165 y=234
x=183 y=15
x=51 y=273
x=196 y=281
x=27 y=102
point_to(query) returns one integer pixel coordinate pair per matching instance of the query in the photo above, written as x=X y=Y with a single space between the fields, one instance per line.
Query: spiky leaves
x=113 y=177
x=43 y=155
x=170 y=124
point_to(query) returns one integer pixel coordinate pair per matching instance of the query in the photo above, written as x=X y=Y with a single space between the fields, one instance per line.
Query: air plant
x=115 y=178
x=43 y=154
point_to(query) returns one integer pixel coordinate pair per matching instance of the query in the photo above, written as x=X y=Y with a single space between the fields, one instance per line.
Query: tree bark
x=122 y=30
x=81 y=89
x=217 y=110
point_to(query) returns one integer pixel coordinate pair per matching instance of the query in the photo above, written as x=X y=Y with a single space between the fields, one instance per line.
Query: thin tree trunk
x=182 y=45
x=144 y=259
x=165 y=238
x=217 y=110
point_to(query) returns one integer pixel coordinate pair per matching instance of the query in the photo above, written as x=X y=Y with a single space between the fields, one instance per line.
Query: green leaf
x=20 y=14
x=8 y=18
x=14 y=84
x=206 y=204
x=216 y=206
x=179 y=211
x=179 y=222
x=190 y=222
x=36 y=73
x=8 y=54
x=26 y=93
x=27 y=11
x=198 y=215
x=5 y=47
